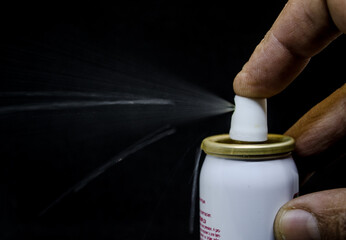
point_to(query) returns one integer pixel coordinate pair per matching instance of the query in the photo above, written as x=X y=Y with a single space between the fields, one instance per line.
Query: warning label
x=207 y=232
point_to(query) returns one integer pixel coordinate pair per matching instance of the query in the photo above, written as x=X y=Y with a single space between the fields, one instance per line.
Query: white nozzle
x=249 y=120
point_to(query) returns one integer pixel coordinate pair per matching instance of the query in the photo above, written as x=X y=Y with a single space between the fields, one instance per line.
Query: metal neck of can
x=276 y=146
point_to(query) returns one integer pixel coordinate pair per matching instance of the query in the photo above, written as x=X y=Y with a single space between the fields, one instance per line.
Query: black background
x=147 y=196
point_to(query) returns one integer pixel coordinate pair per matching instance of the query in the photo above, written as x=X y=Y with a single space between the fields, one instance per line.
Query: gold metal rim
x=222 y=145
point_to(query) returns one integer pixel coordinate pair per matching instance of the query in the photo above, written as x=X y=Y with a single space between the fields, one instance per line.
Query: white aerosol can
x=243 y=185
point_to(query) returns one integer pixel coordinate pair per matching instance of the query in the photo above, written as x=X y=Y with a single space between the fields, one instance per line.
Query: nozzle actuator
x=249 y=120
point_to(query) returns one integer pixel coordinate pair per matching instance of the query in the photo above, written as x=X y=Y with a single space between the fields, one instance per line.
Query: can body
x=239 y=199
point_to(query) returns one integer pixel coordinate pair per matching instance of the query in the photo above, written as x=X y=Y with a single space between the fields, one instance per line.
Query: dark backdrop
x=148 y=195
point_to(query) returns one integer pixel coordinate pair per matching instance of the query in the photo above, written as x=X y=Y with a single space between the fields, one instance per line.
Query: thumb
x=320 y=215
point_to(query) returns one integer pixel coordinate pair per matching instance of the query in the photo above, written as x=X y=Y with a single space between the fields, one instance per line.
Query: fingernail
x=298 y=225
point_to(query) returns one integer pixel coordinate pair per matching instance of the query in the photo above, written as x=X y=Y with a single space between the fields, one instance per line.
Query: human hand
x=303 y=29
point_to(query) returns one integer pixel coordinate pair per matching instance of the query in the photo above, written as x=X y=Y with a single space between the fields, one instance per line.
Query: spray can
x=243 y=185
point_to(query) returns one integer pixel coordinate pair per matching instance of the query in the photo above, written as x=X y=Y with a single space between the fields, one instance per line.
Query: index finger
x=303 y=28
